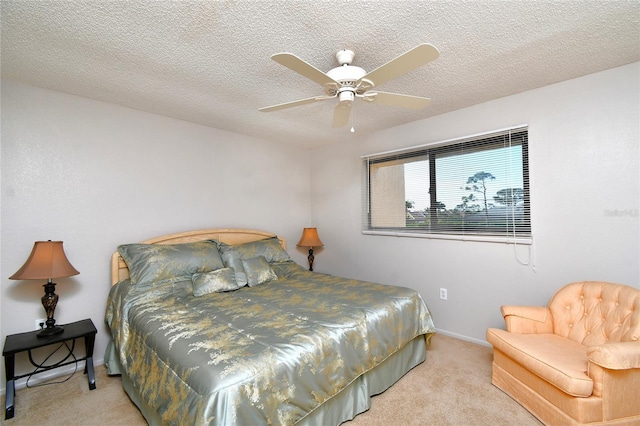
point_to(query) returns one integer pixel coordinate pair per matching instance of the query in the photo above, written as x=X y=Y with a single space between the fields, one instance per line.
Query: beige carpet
x=452 y=387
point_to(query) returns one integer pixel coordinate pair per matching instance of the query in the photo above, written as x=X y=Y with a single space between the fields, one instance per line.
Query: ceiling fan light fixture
x=346 y=96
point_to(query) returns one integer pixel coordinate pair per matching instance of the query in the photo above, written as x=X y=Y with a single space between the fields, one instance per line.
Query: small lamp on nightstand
x=47 y=261
x=310 y=239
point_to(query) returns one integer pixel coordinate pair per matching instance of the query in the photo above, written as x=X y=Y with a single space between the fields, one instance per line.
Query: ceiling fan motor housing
x=346 y=75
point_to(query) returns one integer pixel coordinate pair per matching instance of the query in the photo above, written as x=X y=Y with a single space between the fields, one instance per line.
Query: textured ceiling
x=209 y=62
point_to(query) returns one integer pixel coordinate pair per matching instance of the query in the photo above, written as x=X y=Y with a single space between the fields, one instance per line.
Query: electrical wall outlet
x=443 y=293
x=40 y=323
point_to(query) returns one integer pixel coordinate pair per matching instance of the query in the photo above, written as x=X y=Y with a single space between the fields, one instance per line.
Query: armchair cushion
x=559 y=361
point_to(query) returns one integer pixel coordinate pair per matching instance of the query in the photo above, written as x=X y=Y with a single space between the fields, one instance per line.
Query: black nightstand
x=27 y=341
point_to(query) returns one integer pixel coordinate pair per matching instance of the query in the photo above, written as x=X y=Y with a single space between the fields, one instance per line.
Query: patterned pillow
x=270 y=248
x=214 y=281
x=233 y=260
x=152 y=263
x=258 y=271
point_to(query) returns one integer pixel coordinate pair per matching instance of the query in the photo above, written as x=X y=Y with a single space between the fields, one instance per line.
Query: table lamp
x=47 y=261
x=310 y=239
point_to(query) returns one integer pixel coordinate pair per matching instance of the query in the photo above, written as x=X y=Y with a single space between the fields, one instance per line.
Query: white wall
x=584 y=166
x=96 y=175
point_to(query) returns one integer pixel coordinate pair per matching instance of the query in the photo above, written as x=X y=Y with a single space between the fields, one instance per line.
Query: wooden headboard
x=120 y=271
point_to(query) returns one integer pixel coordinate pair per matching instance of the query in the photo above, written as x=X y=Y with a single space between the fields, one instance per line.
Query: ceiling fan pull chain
x=353 y=113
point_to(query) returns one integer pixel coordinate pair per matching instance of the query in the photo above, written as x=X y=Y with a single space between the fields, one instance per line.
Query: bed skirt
x=351 y=401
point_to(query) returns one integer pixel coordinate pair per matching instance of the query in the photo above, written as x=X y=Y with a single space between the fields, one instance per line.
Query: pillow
x=258 y=271
x=270 y=248
x=150 y=263
x=233 y=260
x=213 y=281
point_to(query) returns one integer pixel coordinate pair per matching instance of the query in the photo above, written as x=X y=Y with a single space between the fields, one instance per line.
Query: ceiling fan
x=348 y=82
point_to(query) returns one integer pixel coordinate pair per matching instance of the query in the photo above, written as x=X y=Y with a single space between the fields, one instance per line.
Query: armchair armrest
x=615 y=371
x=616 y=355
x=527 y=319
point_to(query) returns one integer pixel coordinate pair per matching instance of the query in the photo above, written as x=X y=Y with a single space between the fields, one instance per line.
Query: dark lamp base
x=310 y=258
x=50 y=331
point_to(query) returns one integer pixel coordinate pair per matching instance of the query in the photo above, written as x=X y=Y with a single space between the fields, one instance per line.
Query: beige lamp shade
x=47 y=260
x=310 y=238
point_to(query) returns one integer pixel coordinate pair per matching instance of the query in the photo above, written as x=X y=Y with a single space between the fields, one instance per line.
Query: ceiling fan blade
x=341 y=114
x=404 y=63
x=397 y=100
x=294 y=103
x=304 y=69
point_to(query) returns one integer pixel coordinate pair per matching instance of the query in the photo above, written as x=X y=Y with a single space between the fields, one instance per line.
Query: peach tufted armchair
x=575 y=361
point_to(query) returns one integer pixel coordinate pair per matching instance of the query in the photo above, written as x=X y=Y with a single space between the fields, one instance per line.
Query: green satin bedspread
x=268 y=354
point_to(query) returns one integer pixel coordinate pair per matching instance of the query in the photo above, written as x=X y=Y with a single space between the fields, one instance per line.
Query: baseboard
x=465 y=338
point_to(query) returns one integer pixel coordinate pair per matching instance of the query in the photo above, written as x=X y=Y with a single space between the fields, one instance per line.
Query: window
x=473 y=186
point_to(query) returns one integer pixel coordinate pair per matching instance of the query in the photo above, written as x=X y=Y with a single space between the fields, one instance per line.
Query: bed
x=195 y=345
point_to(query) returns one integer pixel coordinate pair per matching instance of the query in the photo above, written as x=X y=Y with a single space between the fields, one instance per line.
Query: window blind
x=477 y=185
